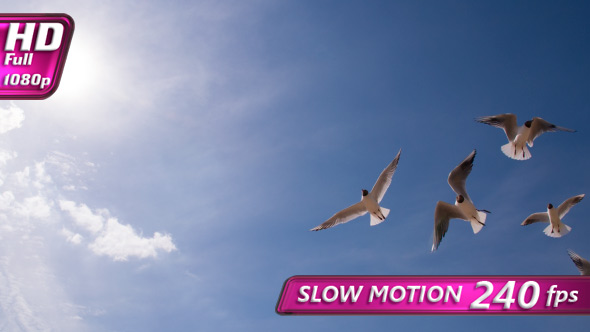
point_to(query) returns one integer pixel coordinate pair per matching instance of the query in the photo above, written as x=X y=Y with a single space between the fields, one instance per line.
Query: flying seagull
x=582 y=264
x=519 y=137
x=463 y=208
x=369 y=202
x=553 y=216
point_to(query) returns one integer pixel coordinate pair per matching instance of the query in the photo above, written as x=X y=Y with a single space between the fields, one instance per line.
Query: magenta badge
x=34 y=50
x=435 y=295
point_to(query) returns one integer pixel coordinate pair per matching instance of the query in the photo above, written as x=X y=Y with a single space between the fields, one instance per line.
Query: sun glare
x=82 y=70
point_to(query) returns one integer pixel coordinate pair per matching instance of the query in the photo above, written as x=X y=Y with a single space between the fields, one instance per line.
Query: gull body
x=555 y=222
x=520 y=137
x=463 y=209
x=517 y=149
x=369 y=201
x=553 y=216
x=470 y=213
x=378 y=213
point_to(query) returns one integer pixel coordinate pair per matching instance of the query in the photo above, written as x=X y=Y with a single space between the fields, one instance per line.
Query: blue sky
x=171 y=181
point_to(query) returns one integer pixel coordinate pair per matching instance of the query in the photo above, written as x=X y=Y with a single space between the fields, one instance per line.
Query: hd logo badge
x=33 y=54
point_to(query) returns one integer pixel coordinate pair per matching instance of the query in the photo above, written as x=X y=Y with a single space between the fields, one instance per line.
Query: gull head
x=365 y=192
x=549 y=206
x=528 y=123
x=460 y=199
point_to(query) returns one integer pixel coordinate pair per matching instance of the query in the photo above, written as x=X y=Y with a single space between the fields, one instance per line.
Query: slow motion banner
x=435 y=295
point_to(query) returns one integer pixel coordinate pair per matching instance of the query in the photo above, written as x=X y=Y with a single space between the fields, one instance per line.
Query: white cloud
x=121 y=242
x=83 y=216
x=6 y=200
x=69 y=187
x=114 y=239
x=6 y=155
x=34 y=207
x=72 y=237
x=11 y=118
x=41 y=175
x=37 y=178
x=23 y=177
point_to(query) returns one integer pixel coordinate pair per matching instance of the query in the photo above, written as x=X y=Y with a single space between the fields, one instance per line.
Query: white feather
x=563 y=230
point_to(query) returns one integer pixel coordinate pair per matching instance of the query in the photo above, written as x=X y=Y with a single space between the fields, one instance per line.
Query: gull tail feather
x=478 y=225
x=513 y=152
x=563 y=230
x=377 y=221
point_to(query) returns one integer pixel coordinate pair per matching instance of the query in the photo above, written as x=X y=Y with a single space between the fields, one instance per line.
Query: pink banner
x=435 y=295
x=34 y=51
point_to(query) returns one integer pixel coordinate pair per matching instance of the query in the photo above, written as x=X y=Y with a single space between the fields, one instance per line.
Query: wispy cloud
x=32 y=299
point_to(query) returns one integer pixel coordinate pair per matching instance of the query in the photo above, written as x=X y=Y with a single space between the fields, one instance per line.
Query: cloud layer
x=32 y=194
x=35 y=211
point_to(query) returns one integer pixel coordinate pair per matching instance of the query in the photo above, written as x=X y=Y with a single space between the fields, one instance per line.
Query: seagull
x=369 y=201
x=553 y=216
x=582 y=264
x=519 y=137
x=463 y=208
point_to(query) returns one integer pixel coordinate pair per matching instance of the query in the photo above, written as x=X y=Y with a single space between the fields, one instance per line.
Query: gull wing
x=384 y=179
x=505 y=121
x=582 y=264
x=540 y=126
x=443 y=213
x=536 y=217
x=565 y=207
x=346 y=215
x=458 y=176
